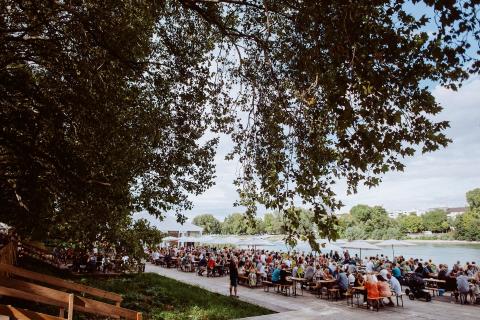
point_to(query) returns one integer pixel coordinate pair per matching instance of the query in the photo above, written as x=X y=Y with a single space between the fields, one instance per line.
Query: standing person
x=233 y=268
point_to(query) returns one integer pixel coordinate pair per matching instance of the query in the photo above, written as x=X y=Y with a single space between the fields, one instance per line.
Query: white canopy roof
x=169 y=239
x=394 y=242
x=255 y=242
x=358 y=244
x=189 y=239
x=222 y=240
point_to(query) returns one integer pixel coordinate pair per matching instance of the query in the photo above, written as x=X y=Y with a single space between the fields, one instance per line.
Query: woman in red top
x=371 y=287
x=384 y=289
x=211 y=267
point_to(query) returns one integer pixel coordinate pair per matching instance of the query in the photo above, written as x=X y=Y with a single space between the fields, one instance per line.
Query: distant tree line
x=362 y=222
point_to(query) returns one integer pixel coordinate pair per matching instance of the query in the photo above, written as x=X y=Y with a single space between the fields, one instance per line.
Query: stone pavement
x=308 y=306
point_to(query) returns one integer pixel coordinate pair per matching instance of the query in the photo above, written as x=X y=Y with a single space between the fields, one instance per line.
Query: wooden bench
x=80 y=303
x=61 y=283
x=242 y=279
x=266 y=285
x=51 y=297
x=400 y=297
x=376 y=302
x=24 y=314
x=284 y=288
x=333 y=293
x=433 y=290
x=349 y=297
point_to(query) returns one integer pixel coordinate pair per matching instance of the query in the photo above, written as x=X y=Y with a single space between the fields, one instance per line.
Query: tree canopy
x=467 y=225
x=106 y=106
x=209 y=223
x=435 y=220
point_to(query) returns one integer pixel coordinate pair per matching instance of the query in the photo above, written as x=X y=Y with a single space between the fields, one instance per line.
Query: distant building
x=455 y=212
x=170 y=226
x=396 y=213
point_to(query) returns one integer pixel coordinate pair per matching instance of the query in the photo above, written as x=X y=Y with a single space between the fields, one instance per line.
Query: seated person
x=252 y=276
x=261 y=270
x=309 y=272
x=371 y=287
x=463 y=285
x=351 y=279
x=318 y=273
x=396 y=272
x=211 y=266
x=202 y=266
x=283 y=274
x=359 y=280
x=384 y=289
x=395 y=284
x=276 y=275
x=419 y=269
x=342 y=281
x=327 y=275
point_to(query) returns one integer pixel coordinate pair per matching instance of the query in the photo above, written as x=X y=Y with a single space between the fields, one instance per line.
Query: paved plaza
x=310 y=307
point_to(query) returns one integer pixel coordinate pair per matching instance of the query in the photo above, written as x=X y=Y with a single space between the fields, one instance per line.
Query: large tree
x=105 y=106
x=209 y=223
x=435 y=220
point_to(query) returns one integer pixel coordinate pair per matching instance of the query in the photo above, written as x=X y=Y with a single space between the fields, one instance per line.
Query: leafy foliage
x=105 y=106
x=209 y=223
x=136 y=236
x=467 y=225
x=435 y=220
x=473 y=198
x=411 y=223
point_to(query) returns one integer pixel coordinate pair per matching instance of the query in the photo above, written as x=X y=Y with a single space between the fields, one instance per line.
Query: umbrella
x=204 y=239
x=222 y=240
x=169 y=238
x=188 y=239
x=255 y=242
x=361 y=245
x=331 y=247
x=394 y=242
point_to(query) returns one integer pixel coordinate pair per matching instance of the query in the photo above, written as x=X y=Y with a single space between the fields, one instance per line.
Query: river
x=442 y=252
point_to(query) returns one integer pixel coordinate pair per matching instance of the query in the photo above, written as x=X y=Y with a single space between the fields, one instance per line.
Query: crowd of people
x=379 y=275
x=95 y=260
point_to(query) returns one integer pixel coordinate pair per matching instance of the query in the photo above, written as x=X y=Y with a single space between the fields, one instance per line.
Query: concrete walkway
x=308 y=307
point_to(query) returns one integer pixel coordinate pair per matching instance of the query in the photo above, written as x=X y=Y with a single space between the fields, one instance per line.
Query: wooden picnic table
x=357 y=290
x=295 y=280
x=434 y=280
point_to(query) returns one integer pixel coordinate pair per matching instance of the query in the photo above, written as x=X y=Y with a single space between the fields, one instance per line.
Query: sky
x=438 y=179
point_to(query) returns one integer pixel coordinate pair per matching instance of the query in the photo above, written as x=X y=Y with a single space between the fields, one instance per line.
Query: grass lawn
x=159 y=297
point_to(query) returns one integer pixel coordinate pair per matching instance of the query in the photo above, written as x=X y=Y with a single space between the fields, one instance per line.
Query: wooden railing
x=80 y=303
x=55 y=298
x=8 y=254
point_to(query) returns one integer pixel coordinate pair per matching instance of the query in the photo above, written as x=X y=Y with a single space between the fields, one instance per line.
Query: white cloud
x=435 y=179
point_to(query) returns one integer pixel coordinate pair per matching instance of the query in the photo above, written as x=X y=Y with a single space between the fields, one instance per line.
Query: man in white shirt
x=263 y=257
x=351 y=279
x=395 y=284
x=369 y=266
x=155 y=256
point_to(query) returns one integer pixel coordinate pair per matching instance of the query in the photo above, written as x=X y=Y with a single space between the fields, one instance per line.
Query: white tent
x=254 y=242
x=393 y=243
x=330 y=246
x=169 y=238
x=222 y=240
x=188 y=239
x=361 y=245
